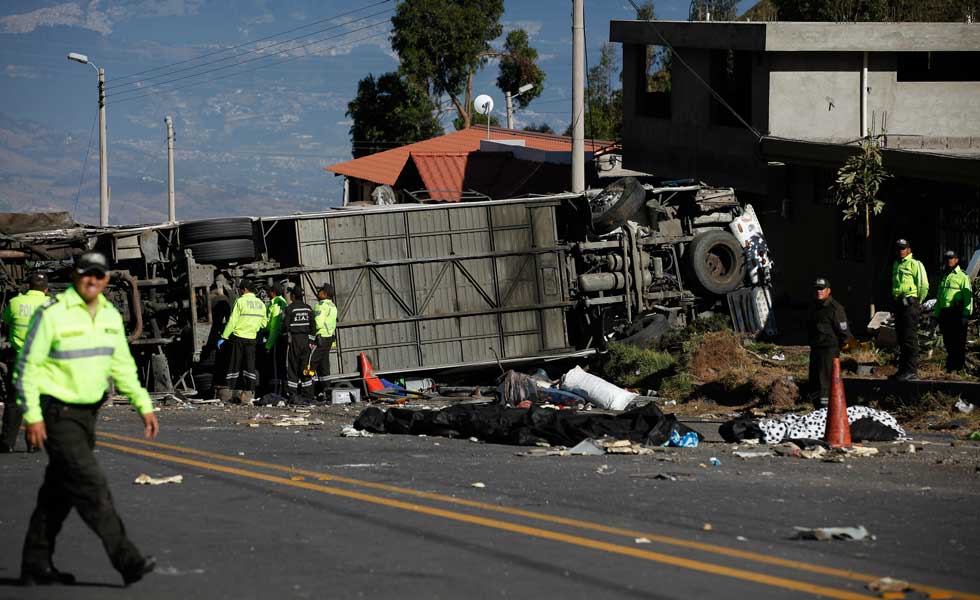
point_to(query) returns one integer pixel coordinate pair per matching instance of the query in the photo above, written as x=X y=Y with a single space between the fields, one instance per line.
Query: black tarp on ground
x=523 y=427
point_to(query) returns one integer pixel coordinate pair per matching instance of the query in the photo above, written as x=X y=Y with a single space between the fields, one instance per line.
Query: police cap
x=821 y=283
x=901 y=243
x=92 y=263
x=950 y=254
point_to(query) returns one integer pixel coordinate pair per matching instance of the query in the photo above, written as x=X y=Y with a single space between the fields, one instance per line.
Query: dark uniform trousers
x=821 y=369
x=12 y=415
x=954 y=337
x=241 y=364
x=74 y=479
x=274 y=365
x=299 y=357
x=907 y=331
x=321 y=363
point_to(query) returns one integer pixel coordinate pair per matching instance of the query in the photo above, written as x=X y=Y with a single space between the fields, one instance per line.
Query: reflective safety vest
x=274 y=315
x=69 y=354
x=247 y=318
x=326 y=318
x=955 y=290
x=18 y=313
x=909 y=279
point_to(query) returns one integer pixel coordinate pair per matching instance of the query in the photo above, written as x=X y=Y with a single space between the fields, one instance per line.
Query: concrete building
x=799 y=97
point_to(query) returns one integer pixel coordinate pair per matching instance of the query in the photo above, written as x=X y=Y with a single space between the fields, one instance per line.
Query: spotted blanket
x=813 y=425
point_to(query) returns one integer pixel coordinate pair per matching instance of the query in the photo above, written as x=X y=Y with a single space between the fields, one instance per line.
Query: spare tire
x=208 y=230
x=622 y=200
x=716 y=261
x=219 y=251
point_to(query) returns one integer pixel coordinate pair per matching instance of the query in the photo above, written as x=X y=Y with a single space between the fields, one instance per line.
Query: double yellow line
x=297 y=480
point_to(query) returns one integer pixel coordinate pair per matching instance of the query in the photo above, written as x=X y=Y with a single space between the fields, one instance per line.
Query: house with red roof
x=470 y=164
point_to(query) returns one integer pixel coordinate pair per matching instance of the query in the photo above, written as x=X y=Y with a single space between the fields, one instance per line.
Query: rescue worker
x=75 y=342
x=827 y=334
x=910 y=286
x=300 y=328
x=275 y=344
x=247 y=319
x=954 y=306
x=16 y=318
x=326 y=327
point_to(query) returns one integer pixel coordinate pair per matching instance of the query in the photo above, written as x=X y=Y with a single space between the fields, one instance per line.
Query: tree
x=390 y=109
x=542 y=128
x=477 y=119
x=858 y=183
x=877 y=10
x=713 y=10
x=658 y=57
x=442 y=43
x=518 y=67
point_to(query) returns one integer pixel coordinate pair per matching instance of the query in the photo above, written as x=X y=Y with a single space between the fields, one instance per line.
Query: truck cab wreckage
x=426 y=287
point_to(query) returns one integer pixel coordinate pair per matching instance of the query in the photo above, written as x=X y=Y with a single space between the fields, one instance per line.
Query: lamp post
x=510 y=108
x=103 y=167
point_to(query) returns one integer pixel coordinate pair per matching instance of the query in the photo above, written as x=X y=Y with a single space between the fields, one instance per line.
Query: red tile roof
x=385 y=167
x=442 y=173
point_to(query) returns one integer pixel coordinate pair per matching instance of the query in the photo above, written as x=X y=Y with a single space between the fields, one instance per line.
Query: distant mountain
x=40 y=170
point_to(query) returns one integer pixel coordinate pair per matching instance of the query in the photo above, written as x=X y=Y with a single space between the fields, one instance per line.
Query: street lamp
x=510 y=109
x=103 y=172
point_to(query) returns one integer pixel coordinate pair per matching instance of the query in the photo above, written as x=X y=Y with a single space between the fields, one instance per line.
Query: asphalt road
x=299 y=512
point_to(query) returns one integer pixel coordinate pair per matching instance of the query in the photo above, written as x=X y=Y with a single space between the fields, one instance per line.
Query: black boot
x=137 y=572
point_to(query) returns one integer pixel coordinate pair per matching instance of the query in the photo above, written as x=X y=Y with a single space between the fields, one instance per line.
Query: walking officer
x=954 y=306
x=326 y=327
x=16 y=318
x=246 y=320
x=299 y=326
x=827 y=333
x=910 y=286
x=275 y=344
x=75 y=342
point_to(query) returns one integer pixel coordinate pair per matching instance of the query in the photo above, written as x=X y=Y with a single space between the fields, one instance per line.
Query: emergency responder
x=954 y=306
x=299 y=326
x=16 y=318
x=326 y=327
x=75 y=342
x=247 y=319
x=275 y=344
x=910 y=286
x=827 y=334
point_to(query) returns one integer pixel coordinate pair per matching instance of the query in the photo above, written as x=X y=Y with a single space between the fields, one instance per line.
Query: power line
x=205 y=55
x=241 y=54
x=192 y=84
x=88 y=151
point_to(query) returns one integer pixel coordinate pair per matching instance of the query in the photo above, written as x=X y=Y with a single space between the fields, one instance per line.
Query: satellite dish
x=483 y=104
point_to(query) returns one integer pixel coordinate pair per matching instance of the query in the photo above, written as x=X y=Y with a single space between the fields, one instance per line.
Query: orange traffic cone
x=367 y=374
x=838 y=429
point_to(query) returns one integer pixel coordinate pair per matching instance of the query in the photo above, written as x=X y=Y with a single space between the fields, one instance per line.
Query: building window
x=939 y=66
x=653 y=97
x=824 y=181
x=731 y=78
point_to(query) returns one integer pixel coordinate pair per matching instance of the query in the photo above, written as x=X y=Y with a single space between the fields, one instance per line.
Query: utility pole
x=171 y=206
x=510 y=111
x=103 y=166
x=578 y=96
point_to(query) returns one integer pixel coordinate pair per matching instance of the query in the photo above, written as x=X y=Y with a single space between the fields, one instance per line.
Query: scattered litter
x=241 y=454
x=815 y=452
x=832 y=533
x=176 y=571
x=755 y=454
x=475 y=439
x=605 y=470
x=964 y=407
x=211 y=421
x=288 y=421
x=689 y=440
x=145 y=479
x=860 y=451
x=641 y=540
x=666 y=476
x=707 y=527
x=714 y=461
x=202 y=401
x=349 y=431
x=786 y=449
x=767 y=473
x=779 y=357
x=538 y=452
x=887 y=585
x=478 y=484
x=975 y=436
x=253 y=424
x=596 y=390
x=742 y=538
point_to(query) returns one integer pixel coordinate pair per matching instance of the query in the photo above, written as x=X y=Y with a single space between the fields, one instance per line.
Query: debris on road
x=596 y=390
x=350 y=431
x=144 y=479
x=288 y=421
x=587 y=447
x=605 y=470
x=707 y=527
x=714 y=461
x=887 y=585
x=478 y=484
x=824 y=534
x=641 y=540
x=963 y=406
x=752 y=454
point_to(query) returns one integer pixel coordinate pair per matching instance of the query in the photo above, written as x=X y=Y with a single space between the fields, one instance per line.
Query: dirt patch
x=718 y=353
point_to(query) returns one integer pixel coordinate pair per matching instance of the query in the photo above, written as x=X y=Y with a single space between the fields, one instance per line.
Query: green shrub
x=630 y=366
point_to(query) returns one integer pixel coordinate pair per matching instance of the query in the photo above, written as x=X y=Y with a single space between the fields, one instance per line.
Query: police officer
x=827 y=333
x=954 y=305
x=275 y=344
x=910 y=286
x=16 y=318
x=326 y=327
x=299 y=325
x=75 y=342
x=247 y=319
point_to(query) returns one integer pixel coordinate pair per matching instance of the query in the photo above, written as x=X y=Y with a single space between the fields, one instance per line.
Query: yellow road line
x=679 y=542
x=685 y=563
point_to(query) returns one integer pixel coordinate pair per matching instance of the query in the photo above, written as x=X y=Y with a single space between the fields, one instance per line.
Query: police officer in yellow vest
x=75 y=342
x=275 y=343
x=16 y=318
x=910 y=286
x=325 y=318
x=247 y=319
x=954 y=306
